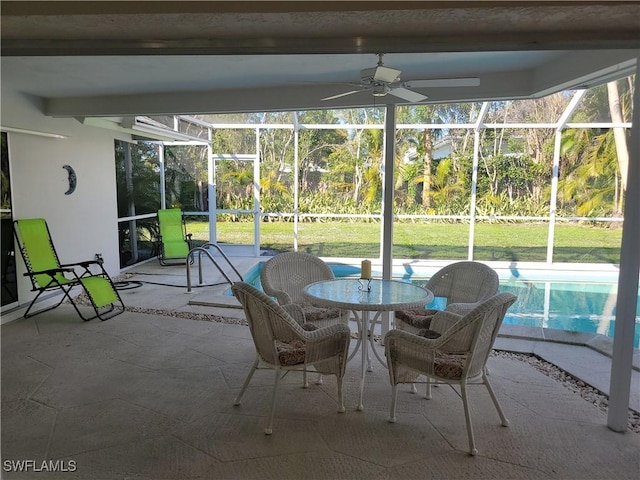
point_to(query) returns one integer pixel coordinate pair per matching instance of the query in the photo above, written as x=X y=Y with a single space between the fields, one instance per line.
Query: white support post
x=622 y=358
x=256 y=197
x=555 y=169
x=562 y=121
x=387 y=193
x=163 y=187
x=211 y=190
x=387 y=204
x=474 y=176
x=296 y=187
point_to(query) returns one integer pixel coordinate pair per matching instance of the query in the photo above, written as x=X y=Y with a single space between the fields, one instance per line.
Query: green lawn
x=501 y=242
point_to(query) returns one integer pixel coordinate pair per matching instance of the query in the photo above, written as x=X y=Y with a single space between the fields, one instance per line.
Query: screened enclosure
x=518 y=180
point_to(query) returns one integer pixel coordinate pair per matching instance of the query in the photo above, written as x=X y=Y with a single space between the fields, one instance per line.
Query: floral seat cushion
x=314 y=314
x=450 y=366
x=426 y=333
x=418 y=318
x=290 y=353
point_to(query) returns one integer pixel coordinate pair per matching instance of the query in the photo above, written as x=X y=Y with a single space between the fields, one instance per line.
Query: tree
x=186 y=174
x=618 y=132
x=594 y=161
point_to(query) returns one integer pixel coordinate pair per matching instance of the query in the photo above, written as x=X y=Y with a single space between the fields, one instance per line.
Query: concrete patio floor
x=150 y=396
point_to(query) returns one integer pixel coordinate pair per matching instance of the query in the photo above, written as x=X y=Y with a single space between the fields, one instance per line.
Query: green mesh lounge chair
x=174 y=242
x=48 y=274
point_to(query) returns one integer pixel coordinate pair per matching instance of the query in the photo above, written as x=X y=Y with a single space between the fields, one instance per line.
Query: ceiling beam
x=49 y=7
x=583 y=40
x=234 y=28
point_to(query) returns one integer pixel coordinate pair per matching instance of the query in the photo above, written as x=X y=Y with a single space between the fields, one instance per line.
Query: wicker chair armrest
x=328 y=331
x=443 y=319
x=283 y=298
x=456 y=332
x=295 y=311
x=461 y=308
x=327 y=342
x=454 y=339
x=401 y=338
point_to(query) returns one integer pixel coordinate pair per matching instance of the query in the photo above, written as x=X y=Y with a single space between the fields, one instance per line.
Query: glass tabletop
x=351 y=293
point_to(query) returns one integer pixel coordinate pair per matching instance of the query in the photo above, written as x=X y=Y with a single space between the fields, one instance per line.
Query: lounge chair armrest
x=51 y=271
x=87 y=266
x=85 y=263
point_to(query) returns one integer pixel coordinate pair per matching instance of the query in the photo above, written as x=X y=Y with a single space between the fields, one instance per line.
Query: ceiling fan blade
x=316 y=82
x=340 y=95
x=443 y=82
x=408 y=95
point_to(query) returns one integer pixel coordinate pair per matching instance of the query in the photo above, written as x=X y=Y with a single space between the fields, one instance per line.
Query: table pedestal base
x=365 y=340
x=378 y=295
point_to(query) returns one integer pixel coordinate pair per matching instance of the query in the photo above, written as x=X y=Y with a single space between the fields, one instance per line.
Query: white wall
x=83 y=223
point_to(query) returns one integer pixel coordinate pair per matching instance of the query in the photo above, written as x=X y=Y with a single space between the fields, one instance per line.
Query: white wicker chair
x=283 y=345
x=456 y=352
x=286 y=274
x=463 y=284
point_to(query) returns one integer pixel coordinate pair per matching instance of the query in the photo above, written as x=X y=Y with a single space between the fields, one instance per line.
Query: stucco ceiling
x=134 y=58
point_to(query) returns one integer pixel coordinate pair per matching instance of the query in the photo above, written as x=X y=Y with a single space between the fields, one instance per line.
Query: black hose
x=131 y=284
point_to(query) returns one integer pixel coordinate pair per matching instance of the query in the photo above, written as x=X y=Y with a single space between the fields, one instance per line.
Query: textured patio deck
x=151 y=396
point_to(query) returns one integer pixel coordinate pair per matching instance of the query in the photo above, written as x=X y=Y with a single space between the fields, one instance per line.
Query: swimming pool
x=587 y=307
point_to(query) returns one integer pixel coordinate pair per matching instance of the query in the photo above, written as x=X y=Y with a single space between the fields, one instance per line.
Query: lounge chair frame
x=48 y=274
x=168 y=228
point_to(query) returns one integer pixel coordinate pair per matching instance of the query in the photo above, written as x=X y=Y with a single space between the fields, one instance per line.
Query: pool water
x=587 y=307
x=573 y=306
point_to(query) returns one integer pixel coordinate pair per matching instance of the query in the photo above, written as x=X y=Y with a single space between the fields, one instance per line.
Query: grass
x=500 y=242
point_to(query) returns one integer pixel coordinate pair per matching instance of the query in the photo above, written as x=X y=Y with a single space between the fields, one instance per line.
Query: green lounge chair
x=48 y=274
x=174 y=243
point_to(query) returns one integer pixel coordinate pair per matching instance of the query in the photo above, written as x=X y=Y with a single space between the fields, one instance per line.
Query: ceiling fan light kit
x=380 y=73
x=379 y=90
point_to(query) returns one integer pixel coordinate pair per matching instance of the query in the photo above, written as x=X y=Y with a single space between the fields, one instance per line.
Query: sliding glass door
x=9 y=286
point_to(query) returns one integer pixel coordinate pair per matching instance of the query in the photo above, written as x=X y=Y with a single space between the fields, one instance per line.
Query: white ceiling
x=110 y=75
x=208 y=57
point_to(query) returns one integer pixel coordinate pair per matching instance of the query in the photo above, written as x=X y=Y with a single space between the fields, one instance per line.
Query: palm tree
x=445 y=190
x=594 y=162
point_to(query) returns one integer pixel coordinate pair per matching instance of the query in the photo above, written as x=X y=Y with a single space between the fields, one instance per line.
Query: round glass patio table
x=361 y=297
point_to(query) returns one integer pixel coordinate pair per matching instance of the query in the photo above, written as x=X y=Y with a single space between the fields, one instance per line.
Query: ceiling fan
x=381 y=80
